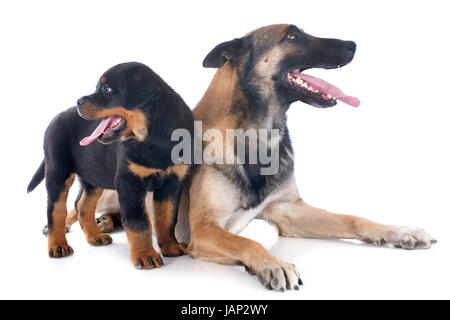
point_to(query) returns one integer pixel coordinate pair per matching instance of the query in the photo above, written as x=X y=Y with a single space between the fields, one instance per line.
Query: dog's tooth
x=304 y=85
x=329 y=96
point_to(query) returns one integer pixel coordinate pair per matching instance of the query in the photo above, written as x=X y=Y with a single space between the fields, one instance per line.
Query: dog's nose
x=350 y=46
x=81 y=101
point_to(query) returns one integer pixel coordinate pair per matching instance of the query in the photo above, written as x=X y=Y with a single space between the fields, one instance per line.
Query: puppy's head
x=271 y=59
x=122 y=99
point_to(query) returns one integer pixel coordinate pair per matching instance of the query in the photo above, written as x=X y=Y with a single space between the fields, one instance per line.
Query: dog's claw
x=277 y=275
x=102 y=239
x=147 y=262
x=402 y=238
x=60 y=251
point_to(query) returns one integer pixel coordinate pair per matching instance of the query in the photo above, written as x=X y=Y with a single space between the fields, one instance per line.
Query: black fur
x=37 y=178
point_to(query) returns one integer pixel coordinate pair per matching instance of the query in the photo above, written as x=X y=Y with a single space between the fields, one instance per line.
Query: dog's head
x=270 y=62
x=123 y=98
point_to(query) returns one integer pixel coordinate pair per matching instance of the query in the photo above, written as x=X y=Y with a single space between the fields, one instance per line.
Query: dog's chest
x=242 y=217
x=255 y=187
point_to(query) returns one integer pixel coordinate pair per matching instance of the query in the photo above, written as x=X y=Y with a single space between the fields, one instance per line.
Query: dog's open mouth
x=317 y=91
x=106 y=131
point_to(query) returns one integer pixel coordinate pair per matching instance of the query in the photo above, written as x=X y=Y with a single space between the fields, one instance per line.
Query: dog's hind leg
x=72 y=217
x=106 y=222
x=298 y=219
x=58 y=190
x=85 y=207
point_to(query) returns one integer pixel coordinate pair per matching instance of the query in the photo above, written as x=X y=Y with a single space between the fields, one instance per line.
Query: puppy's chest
x=151 y=178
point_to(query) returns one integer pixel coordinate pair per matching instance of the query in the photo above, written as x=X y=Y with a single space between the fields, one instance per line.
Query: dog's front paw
x=148 y=261
x=404 y=237
x=277 y=275
x=174 y=249
x=60 y=251
x=101 y=239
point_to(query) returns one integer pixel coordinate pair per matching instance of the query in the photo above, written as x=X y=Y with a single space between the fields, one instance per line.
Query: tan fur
x=86 y=213
x=72 y=217
x=164 y=220
x=107 y=208
x=141 y=171
x=180 y=170
x=142 y=253
x=144 y=172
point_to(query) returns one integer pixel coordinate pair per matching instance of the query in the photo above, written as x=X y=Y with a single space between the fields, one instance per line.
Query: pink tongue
x=97 y=132
x=328 y=88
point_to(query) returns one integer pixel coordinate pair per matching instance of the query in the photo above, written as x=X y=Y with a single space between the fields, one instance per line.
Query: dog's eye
x=291 y=36
x=107 y=90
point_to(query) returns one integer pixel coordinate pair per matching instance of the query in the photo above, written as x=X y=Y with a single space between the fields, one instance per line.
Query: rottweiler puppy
x=118 y=138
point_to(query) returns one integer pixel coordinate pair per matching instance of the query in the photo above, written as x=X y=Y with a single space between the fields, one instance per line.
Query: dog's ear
x=226 y=51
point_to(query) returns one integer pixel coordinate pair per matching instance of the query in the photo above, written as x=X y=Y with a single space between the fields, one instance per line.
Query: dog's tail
x=37 y=178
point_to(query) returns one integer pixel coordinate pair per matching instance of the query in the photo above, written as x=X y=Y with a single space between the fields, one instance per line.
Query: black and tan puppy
x=128 y=150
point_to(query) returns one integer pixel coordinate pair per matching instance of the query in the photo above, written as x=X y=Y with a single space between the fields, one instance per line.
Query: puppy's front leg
x=165 y=207
x=136 y=222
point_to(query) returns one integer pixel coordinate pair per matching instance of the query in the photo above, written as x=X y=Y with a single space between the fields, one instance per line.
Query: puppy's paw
x=148 y=261
x=277 y=275
x=45 y=231
x=174 y=249
x=105 y=223
x=60 y=251
x=404 y=237
x=101 y=239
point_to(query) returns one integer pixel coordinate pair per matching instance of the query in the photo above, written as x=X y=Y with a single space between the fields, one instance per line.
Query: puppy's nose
x=81 y=101
x=350 y=46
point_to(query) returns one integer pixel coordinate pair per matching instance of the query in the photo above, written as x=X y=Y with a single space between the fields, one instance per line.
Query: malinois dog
x=259 y=76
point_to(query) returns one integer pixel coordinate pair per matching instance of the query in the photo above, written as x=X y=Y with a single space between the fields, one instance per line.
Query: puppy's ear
x=226 y=51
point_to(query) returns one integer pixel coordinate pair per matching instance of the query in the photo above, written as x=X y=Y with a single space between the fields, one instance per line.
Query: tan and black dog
x=131 y=114
x=258 y=77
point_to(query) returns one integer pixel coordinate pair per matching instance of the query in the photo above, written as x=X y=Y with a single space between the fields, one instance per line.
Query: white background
x=387 y=161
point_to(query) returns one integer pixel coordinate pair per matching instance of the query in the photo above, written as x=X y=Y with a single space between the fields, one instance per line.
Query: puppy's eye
x=107 y=90
x=291 y=36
